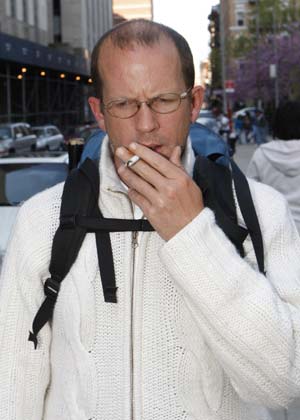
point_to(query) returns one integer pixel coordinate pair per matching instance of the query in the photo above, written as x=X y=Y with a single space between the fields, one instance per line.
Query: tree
x=273 y=37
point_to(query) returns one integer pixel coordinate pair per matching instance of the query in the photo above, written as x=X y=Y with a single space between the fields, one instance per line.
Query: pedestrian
x=259 y=127
x=239 y=129
x=248 y=127
x=197 y=331
x=277 y=163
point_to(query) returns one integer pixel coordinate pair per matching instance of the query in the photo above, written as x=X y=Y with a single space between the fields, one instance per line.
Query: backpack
x=80 y=214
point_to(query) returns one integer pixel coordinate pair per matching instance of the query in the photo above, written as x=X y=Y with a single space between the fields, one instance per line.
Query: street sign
x=229 y=86
x=273 y=71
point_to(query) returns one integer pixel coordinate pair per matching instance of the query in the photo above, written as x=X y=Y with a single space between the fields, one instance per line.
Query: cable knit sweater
x=197 y=333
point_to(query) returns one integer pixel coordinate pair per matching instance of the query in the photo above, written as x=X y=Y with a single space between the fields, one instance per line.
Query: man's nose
x=146 y=119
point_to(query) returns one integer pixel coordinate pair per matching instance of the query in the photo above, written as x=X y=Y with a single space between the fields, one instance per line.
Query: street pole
x=257 y=23
x=223 y=58
x=23 y=98
x=8 y=92
x=276 y=79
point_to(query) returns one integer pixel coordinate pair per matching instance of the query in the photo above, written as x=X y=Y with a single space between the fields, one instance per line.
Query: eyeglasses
x=162 y=104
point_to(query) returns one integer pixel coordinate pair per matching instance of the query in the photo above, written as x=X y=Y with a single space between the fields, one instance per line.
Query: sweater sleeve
x=251 y=322
x=24 y=372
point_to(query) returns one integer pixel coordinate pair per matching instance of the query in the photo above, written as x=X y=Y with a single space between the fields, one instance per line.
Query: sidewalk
x=243 y=155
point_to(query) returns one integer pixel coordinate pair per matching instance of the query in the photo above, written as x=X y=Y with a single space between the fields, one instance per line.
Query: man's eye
x=163 y=100
x=121 y=104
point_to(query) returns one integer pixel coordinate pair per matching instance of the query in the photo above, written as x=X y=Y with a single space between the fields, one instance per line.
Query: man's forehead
x=110 y=49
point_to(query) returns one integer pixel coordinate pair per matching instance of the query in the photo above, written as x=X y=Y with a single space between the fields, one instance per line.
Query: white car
x=20 y=179
x=16 y=137
x=48 y=137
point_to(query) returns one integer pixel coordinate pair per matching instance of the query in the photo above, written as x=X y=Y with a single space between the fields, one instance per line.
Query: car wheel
x=33 y=148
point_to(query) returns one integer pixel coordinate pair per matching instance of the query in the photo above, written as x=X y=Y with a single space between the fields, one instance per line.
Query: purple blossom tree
x=252 y=73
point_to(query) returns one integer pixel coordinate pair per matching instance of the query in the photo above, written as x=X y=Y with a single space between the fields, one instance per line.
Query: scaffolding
x=40 y=96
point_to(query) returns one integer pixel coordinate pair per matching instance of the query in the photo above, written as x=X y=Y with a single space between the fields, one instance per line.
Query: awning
x=27 y=52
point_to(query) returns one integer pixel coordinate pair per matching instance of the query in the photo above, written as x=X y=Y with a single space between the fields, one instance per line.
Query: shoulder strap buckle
x=51 y=288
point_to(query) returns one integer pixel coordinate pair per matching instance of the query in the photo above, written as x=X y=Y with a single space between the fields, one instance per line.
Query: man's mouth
x=155 y=147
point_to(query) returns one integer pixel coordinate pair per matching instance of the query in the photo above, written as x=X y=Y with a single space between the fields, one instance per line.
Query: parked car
x=16 y=137
x=207 y=118
x=82 y=131
x=20 y=179
x=48 y=137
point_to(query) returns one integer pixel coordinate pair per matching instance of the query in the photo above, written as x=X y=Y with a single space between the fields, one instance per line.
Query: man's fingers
x=154 y=159
x=133 y=180
x=139 y=200
x=143 y=169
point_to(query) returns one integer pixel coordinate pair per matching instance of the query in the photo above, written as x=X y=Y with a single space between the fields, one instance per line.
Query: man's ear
x=96 y=110
x=197 y=101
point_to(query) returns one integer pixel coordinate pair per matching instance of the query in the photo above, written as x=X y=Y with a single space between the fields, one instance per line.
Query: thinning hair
x=286 y=123
x=145 y=33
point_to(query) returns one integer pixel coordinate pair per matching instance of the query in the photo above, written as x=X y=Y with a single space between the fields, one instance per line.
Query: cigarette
x=132 y=161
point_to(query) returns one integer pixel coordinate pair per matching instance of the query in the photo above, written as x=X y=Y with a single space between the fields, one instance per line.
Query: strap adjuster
x=68 y=221
x=51 y=288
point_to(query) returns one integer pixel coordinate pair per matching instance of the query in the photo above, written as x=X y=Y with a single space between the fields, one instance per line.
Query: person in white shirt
x=197 y=331
x=277 y=163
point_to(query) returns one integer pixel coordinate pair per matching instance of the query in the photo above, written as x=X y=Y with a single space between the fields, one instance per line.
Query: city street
x=243 y=155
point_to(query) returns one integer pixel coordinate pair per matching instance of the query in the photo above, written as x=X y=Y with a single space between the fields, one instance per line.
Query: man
x=259 y=127
x=197 y=332
x=277 y=163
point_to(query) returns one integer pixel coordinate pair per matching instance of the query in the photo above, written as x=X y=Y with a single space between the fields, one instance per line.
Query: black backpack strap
x=249 y=214
x=215 y=182
x=80 y=196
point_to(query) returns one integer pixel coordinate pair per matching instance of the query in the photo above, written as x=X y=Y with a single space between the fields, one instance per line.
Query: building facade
x=133 y=9
x=45 y=48
x=236 y=15
x=30 y=19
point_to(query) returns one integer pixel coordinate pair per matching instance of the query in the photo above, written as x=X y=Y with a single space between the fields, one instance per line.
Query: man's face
x=143 y=72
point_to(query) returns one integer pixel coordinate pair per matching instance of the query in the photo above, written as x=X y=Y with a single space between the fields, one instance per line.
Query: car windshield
x=39 y=132
x=20 y=181
x=5 y=133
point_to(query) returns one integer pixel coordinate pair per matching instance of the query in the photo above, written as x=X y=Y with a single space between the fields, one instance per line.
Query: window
x=13 y=8
x=25 y=11
x=18 y=132
x=240 y=17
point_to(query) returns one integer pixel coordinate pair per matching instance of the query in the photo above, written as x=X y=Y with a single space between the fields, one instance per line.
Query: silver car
x=16 y=137
x=48 y=137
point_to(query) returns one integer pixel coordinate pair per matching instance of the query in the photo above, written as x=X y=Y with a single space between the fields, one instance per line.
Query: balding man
x=197 y=333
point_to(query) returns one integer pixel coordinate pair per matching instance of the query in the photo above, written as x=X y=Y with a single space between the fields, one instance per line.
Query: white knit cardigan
x=197 y=333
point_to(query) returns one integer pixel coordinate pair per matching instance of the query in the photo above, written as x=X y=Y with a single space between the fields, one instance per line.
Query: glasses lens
x=123 y=108
x=166 y=103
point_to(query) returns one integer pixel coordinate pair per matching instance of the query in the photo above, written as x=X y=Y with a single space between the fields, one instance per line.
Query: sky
x=189 y=18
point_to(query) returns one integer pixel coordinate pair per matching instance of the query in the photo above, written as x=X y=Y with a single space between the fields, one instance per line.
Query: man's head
x=286 y=121
x=141 y=60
